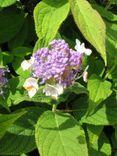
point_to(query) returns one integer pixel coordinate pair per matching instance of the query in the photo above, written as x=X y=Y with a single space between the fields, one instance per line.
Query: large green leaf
x=11 y=21
x=99 y=90
x=105 y=115
x=6 y=120
x=60 y=134
x=20 y=37
x=90 y=24
x=20 y=136
x=6 y=3
x=49 y=17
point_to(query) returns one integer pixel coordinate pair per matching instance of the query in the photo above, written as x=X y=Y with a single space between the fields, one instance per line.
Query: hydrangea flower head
x=56 y=66
x=56 y=63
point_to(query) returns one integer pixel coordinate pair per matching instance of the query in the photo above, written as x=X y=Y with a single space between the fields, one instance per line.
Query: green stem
x=54 y=108
x=111 y=70
x=108 y=5
x=68 y=110
x=1 y=60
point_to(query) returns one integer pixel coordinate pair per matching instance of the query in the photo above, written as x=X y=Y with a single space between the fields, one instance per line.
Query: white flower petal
x=59 y=88
x=78 y=46
x=32 y=92
x=78 y=42
x=31 y=61
x=25 y=65
x=87 y=51
x=81 y=48
x=85 y=75
x=53 y=90
x=31 y=85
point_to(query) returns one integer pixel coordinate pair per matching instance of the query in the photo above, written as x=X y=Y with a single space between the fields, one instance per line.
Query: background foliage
x=85 y=122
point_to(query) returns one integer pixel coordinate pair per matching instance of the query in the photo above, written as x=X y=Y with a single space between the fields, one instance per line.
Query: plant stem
x=68 y=110
x=1 y=60
x=111 y=70
x=54 y=108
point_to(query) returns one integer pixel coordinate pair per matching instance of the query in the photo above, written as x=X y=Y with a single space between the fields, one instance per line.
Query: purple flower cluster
x=3 y=80
x=57 y=63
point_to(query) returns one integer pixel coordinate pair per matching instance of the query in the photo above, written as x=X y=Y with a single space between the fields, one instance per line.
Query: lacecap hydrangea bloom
x=3 y=80
x=56 y=67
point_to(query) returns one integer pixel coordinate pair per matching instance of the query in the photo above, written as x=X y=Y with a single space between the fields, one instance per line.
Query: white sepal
x=31 y=85
x=80 y=47
x=85 y=74
x=26 y=64
x=53 y=90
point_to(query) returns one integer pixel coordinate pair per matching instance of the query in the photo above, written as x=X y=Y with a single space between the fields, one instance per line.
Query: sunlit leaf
x=60 y=134
x=90 y=24
x=49 y=17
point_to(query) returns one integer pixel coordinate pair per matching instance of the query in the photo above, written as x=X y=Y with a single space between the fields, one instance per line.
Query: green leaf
x=104 y=145
x=112 y=73
x=7 y=58
x=17 y=92
x=104 y=115
x=10 y=23
x=49 y=17
x=23 y=154
x=60 y=134
x=21 y=51
x=113 y=1
x=5 y=101
x=90 y=24
x=6 y=3
x=77 y=88
x=114 y=139
x=80 y=106
x=39 y=44
x=93 y=135
x=99 y=90
x=105 y=13
x=20 y=37
x=111 y=44
x=20 y=136
x=6 y=120
x=96 y=66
